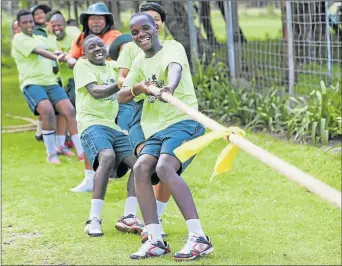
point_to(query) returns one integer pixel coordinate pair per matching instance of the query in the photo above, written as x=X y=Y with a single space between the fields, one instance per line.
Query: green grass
x=253 y=214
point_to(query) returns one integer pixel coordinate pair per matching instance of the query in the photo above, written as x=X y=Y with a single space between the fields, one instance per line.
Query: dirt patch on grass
x=14 y=237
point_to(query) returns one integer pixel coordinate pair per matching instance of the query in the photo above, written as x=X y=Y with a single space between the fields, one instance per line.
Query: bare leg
x=166 y=169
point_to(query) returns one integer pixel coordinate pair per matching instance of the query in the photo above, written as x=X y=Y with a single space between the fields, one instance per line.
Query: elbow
x=122 y=98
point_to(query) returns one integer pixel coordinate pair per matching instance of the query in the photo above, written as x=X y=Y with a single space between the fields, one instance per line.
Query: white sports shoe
x=151 y=248
x=93 y=227
x=85 y=186
x=196 y=247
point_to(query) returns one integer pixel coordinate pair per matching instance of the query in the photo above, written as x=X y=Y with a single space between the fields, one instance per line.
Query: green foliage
x=316 y=117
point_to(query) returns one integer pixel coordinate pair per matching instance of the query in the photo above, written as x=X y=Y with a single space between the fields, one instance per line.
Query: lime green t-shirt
x=33 y=69
x=91 y=111
x=64 y=45
x=128 y=54
x=158 y=115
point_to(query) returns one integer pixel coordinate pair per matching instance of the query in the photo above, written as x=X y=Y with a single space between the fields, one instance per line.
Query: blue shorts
x=168 y=139
x=36 y=93
x=70 y=90
x=125 y=115
x=97 y=138
x=135 y=132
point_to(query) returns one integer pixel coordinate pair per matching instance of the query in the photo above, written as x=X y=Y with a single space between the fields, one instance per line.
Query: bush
x=316 y=117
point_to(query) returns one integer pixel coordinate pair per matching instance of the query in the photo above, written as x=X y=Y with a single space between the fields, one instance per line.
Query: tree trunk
x=76 y=9
x=177 y=24
x=69 y=9
x=114 y=7
x=204 y=13
x=136 y=6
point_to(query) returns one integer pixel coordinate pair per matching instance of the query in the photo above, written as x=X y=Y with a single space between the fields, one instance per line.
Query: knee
x=142 y=171
x=163 y=170
x=70 y=112
x=106 y=158
x=47 y=113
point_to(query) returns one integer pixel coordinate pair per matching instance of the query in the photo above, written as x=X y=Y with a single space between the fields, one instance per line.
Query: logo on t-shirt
x=113 y=97
x=158 y=83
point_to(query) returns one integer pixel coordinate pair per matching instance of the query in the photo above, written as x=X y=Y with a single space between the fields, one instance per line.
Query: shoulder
x=82 y=62
x=111 y=35
x=21 y=37
x=72 y=31
x=172 y=44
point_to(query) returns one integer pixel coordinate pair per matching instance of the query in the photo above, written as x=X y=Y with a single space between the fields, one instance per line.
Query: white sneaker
x=196 y=247
x=85 y=186
x=151 y=248
x=93 y=227
x=144 y=233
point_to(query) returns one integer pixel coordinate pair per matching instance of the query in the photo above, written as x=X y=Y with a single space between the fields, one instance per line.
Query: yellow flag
x=224 y=161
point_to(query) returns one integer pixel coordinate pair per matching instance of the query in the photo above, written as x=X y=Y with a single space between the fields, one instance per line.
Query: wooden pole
x=312 y=184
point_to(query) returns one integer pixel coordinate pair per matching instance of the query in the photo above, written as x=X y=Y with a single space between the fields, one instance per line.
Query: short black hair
x=90 y=36
x=142 y=14
x=50 y=14
x=155 y=7
x=23 y=12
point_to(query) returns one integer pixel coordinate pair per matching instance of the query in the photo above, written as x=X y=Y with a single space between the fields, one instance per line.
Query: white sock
x=96 y=208
x=155 y=231
x=131 y=206
x=160 y=208
x=49 y=137
x=194 y=226
x=89 y=175
x=39 y=128
x=60 y=140
x=77 y=143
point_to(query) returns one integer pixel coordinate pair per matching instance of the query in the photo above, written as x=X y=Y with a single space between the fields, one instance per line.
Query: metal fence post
x=327 y=32
x=230 y=38
x=193 y=35
x=290 y=47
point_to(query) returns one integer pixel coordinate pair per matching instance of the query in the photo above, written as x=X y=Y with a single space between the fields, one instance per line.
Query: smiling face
x=96 y=24
x=95 y=50
x=39 y=16
x=26 y=24
x=143 y=31
x=57 y=26
x=157 y=19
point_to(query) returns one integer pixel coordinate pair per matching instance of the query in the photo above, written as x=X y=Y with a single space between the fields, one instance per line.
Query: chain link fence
x=265 y=43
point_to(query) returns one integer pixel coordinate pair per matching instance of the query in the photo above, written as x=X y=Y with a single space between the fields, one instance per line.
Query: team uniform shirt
x=77 y=51
x=158 y=115
x=33 y=69
x=128 y=54
x=91 y=111
x=64 y=45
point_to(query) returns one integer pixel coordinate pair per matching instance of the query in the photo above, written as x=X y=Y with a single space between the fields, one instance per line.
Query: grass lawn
x=253 y=214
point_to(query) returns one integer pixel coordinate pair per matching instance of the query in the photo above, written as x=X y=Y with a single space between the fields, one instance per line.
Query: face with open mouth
x=95 y=50
x=58 y=26
x=143 y=31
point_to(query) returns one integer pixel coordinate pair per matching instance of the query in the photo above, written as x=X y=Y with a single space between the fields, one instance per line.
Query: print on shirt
x=159 y=84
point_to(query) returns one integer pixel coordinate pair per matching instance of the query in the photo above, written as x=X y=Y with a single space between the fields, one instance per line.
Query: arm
x=47 y=54
x=71 y=62
x=174 y=76
x=127 y=94
x=123 y=72
x=102 y=91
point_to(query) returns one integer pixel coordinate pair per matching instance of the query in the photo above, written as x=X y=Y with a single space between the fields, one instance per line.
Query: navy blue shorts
x=125 y=115
x=135 y=132
x=97 y=138
x=170 y=138
x=35 y=93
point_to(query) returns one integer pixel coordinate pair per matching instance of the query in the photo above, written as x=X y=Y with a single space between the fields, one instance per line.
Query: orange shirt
x=77 y=51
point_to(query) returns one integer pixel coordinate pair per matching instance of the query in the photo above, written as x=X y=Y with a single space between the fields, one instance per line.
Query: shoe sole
x=95 y=234
x=149 y=256
x=126 y=229
x=203 y=254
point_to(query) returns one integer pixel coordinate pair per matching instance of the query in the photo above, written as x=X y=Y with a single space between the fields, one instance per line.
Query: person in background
x=100 y=22
x=39 y=85
x=15 y=27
